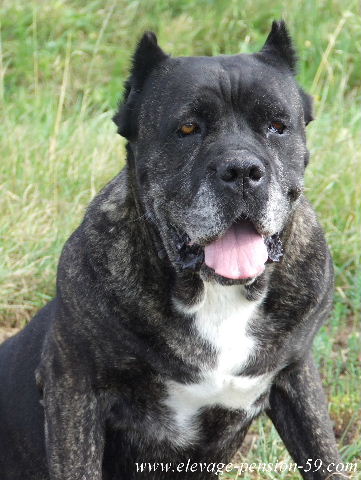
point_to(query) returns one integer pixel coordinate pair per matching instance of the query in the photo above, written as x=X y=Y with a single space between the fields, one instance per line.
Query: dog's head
x=217 y=146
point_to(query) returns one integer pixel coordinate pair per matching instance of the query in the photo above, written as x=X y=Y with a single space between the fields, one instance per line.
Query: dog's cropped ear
x=147 y=56
x=307 y=104
x=279 y=45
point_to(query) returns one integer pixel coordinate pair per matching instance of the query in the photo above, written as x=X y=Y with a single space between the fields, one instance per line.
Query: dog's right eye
x=188 y=129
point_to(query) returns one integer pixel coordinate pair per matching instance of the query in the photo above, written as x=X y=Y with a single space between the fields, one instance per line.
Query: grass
x=62 y=65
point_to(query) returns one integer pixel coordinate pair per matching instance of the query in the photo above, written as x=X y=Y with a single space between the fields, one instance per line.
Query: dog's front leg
x=299 y=412
x=74 y=430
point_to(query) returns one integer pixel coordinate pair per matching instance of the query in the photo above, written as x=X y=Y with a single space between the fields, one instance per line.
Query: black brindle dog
x=188 y=299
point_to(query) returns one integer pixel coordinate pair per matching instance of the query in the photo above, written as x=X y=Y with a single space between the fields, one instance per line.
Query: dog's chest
x=221 y=321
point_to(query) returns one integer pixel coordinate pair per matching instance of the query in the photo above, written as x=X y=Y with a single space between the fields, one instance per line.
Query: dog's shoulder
x=103 y=243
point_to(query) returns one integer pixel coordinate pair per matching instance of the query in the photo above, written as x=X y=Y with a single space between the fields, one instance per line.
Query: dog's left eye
x=277 y=127
x=188 y=129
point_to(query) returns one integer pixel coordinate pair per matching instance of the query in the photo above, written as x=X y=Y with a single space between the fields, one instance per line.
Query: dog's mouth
x=238 y=254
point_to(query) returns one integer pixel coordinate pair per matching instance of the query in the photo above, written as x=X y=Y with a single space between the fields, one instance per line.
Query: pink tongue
x=240 y=253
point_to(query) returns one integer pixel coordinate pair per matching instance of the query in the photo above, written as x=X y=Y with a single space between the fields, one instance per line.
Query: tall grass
x=62 y=66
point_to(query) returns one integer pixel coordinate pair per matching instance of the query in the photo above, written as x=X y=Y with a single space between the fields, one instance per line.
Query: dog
x=188 y=298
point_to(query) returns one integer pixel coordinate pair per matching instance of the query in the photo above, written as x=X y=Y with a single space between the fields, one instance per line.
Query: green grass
x=62 y=65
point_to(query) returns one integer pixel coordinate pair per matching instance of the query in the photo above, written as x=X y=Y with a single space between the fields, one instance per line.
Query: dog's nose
x=234 y=172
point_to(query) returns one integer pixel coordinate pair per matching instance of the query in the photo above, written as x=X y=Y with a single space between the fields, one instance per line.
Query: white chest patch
x=221 y=320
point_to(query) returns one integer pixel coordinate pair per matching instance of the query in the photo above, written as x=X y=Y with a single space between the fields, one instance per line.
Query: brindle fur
x=92 y=365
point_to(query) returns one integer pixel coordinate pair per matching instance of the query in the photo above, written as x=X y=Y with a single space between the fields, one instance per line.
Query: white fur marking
x=221 y=320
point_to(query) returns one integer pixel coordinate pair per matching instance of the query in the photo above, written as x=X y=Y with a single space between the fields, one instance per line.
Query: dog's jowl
x=188 y=299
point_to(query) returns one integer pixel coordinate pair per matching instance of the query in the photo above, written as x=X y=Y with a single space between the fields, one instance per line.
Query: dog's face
x=218 y=147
